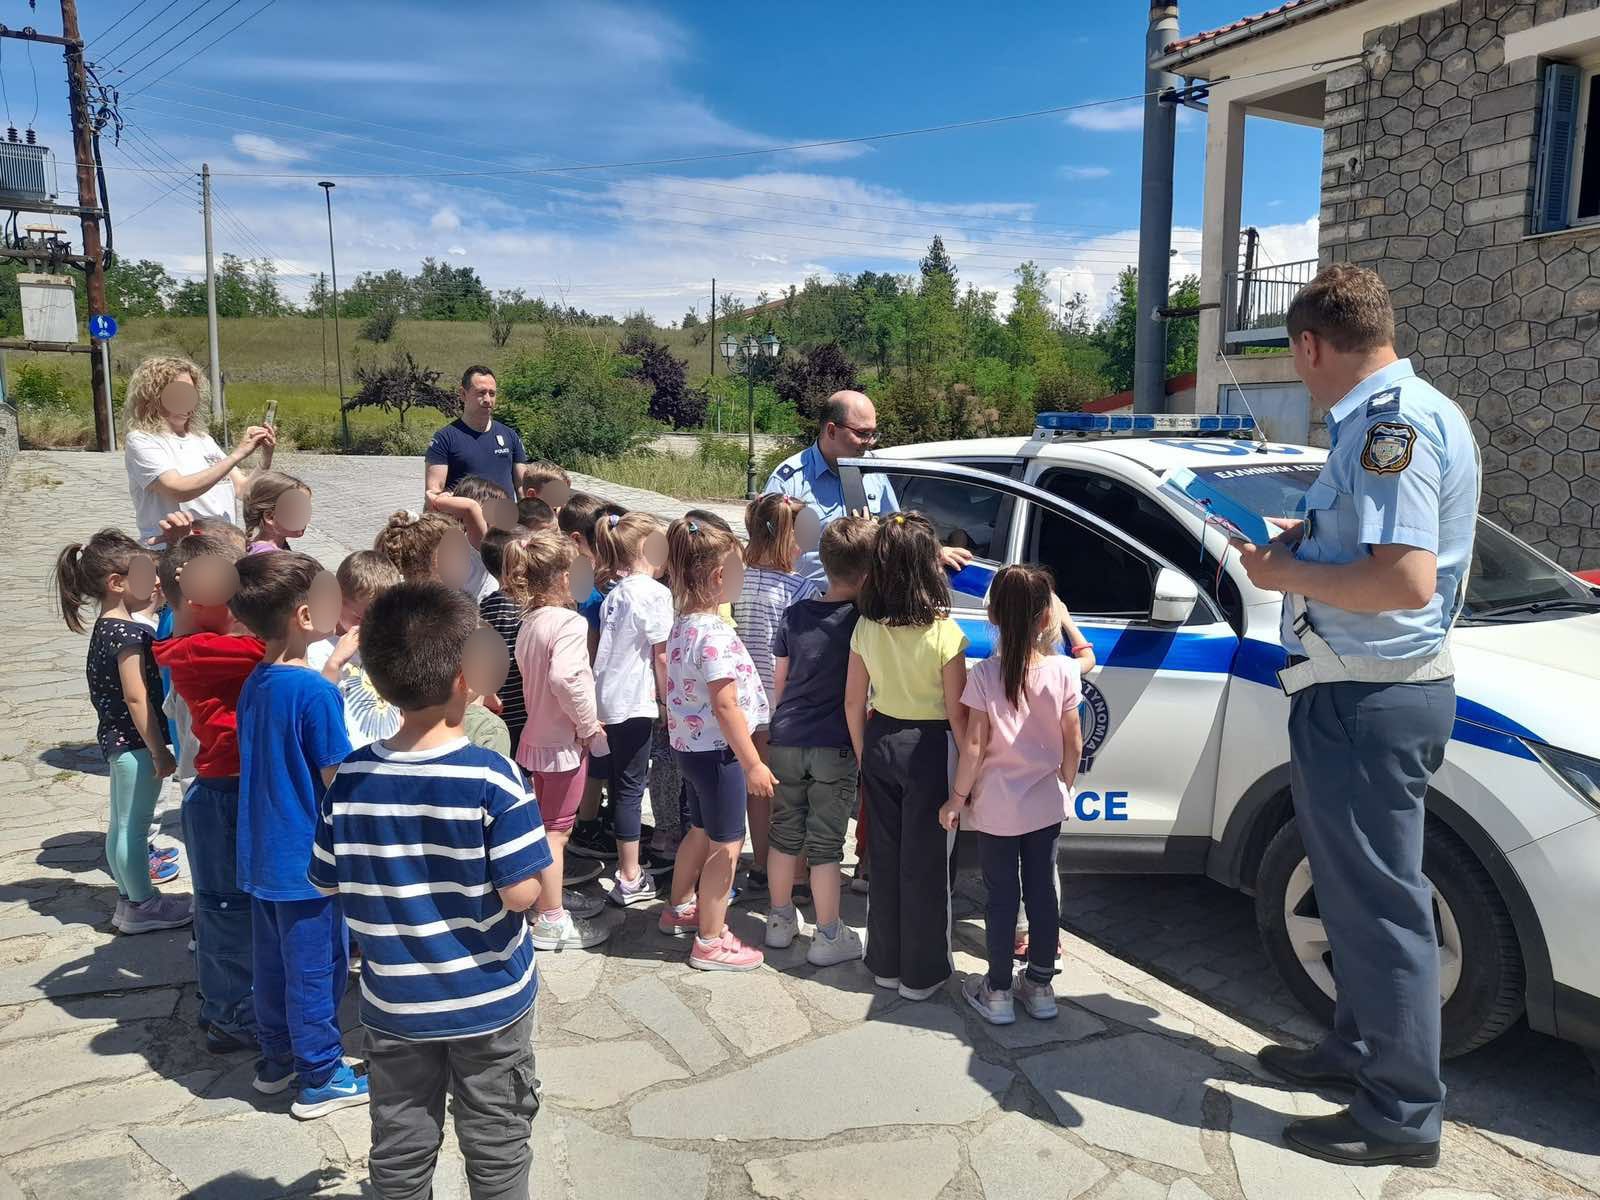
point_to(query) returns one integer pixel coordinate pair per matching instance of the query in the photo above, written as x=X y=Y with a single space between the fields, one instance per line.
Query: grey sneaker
x=825 y=951
x=579 y=870
x=1037 y=999
x=994 y=1007
x=569 y=933
x=158 y=912
x=782 y=927
x=581 y=904
x=640 y=891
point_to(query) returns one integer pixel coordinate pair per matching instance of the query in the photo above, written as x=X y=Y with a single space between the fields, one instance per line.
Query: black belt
x=1295 y=660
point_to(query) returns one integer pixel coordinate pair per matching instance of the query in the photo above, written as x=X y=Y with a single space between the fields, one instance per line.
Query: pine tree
x=938 y=262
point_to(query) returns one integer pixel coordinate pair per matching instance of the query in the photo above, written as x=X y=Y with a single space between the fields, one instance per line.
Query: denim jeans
x=221 y=911
x=301 y=954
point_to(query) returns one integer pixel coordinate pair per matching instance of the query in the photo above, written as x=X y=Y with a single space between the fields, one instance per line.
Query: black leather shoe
x=1338 y=1139
x=219 y=1041
x=1303 y=1066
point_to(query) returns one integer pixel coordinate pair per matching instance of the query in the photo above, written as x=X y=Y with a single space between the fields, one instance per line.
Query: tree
x=937 y=262
x=446 y=293
x=1116 y=333
x=807 y=379
x=574 y=397
x=138 y=289
x=691 y=319
x=379 y=325
x=672 y=400
x=401 y=385
x=265 y=298
x=503 y=316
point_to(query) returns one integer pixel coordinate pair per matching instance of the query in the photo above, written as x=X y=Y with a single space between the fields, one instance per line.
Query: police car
x=1186 y=756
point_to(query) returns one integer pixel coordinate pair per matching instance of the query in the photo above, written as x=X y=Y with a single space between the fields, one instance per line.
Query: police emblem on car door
x=1388 y=448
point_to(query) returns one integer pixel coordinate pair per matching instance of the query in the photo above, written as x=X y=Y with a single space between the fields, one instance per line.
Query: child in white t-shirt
x=368 y=717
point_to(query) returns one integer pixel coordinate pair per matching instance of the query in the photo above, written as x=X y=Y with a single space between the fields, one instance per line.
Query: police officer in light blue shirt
x=849 y=430
x=1372 y=581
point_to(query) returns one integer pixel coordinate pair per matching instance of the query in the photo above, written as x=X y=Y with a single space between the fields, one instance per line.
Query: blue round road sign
x=103 y=327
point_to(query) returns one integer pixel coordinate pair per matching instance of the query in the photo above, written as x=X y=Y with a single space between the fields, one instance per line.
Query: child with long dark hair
x=1018 y=759
x=909 y=653
x=125 y=689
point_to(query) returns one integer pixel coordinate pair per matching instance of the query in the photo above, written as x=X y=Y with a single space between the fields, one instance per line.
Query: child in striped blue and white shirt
x=435 y=847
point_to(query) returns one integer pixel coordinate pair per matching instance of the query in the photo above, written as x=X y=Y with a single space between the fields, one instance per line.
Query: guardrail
x=1255 y=303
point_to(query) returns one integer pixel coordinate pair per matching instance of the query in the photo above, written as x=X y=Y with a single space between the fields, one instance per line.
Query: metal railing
x=1255 y=303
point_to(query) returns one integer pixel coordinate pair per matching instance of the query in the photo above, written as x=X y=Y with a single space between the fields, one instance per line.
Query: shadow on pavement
x=80 y=757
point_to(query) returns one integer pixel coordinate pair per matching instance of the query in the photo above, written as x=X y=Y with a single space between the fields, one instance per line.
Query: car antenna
x=1261 y=434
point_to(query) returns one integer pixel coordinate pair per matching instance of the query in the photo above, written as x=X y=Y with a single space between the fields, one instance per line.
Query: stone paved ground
x=784 y=1083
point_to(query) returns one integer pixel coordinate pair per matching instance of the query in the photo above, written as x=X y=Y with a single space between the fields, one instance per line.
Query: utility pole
x=1155 y=214
x=338 y=355
x=713 y=325
x=218 y=403
x=89 y=210
x=324 y=283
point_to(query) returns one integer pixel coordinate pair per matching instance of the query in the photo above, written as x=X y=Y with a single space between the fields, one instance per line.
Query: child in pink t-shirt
x=1018 y=759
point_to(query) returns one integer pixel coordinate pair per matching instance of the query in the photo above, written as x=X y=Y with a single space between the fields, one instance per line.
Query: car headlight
x=1580 y=774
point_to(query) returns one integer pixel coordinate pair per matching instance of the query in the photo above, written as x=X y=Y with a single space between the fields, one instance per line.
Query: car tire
x=1487 y=996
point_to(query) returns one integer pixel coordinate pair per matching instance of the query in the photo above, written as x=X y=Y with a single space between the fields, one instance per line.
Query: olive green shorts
x=814 y=801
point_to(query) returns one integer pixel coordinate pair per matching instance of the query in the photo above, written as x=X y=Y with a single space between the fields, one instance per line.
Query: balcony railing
x=1255 y=304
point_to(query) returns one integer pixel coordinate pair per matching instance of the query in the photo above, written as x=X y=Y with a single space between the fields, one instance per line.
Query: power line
x=115 y=23
x=136 y=214
x=184 y=62
x=122 y=64
x=34 y=71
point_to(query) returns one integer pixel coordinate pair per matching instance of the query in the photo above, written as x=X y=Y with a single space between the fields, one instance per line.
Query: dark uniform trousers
x=1361 y=758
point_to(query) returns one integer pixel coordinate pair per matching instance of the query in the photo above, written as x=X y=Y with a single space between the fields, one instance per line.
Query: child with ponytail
x=1018 y=758
x=114 y=571
x=714 y=699
x=276 y=508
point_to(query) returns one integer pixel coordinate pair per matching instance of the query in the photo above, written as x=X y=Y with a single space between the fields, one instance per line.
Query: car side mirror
x=1175 y=598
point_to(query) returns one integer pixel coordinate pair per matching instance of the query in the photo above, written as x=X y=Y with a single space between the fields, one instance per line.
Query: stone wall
x=1428 y=168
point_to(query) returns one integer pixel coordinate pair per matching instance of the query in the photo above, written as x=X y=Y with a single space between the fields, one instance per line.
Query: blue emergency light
x=1082 y=424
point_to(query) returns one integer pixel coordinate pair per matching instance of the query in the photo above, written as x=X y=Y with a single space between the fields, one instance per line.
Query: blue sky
x=406 y=94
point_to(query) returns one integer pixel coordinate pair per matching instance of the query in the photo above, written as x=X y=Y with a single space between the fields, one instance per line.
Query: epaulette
x=1385 y=403
x=786 y=471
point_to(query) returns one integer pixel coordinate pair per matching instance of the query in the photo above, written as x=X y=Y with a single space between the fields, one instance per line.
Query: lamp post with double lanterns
x=743 y=356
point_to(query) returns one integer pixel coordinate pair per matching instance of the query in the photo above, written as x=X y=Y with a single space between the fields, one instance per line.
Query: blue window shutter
x=1558 y=138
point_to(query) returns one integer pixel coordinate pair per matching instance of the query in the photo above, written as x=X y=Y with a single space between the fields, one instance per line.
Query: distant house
x=1458 y=162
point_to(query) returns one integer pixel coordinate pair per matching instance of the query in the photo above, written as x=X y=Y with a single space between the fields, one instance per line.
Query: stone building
x=1457 y=162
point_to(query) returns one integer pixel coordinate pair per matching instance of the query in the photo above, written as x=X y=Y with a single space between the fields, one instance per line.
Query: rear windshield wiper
x=1534 y=607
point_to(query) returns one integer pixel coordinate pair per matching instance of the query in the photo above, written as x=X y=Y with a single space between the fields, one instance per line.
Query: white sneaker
x=568 y=933
x=640 y=891
x=825 y=951
x=892 y=982
x=994 y=1007
x=782 y=927
x=1038 y=999
x=158 y=912
x=581 y=904
x=911 y=993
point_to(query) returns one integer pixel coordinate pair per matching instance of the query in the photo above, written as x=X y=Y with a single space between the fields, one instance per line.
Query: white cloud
x=337 y=70
x=1108 y=118
x=265 y=149
x=1083 y=172
x=457 y=251
x=1293 y=242
x=446 y=220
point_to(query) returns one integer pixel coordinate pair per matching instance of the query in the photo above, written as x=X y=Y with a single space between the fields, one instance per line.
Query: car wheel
x=1480 y=964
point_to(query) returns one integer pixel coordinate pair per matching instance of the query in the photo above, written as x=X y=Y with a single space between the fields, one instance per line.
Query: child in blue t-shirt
x=436 y=847
x=291 y=739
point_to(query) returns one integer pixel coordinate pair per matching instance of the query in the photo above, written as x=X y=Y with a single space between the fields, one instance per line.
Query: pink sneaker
x=674 y=924
x=727 y=953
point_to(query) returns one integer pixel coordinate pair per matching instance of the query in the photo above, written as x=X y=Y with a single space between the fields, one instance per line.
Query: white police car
x=1186 y=756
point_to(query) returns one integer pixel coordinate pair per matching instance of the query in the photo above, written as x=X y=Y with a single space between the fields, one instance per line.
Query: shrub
x=807 y=379
x=574 y=397
x=722 y=452
x=402 y=440
x=40 y=387
x=672 y=401
x=379 y=327
x=400 y=386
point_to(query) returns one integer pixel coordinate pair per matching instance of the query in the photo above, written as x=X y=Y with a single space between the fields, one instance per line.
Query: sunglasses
x=866 y=435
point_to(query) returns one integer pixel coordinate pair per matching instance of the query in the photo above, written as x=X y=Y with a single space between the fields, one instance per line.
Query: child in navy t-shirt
x=291 y=739
x=436 y=847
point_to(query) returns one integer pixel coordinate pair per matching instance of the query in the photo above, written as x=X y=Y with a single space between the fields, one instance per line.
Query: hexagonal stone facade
x=1428 y=177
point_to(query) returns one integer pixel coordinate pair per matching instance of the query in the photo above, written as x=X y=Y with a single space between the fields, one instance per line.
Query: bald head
x=849 y=426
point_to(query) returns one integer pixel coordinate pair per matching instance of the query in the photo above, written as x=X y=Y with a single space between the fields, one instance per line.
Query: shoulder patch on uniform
x=786 y=471
x=1387 y=450
x=1384 y=403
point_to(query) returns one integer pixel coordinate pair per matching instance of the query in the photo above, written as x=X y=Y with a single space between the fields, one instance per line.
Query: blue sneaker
x=273 y=1078
x=165 y=854
x=163 y=870
x=344 y=1089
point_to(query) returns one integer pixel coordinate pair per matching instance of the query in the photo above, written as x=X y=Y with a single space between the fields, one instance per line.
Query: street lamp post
x=742 y=356
x=344 y=418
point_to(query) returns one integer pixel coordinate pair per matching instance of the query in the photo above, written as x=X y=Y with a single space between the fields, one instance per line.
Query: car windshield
x=1505 y=572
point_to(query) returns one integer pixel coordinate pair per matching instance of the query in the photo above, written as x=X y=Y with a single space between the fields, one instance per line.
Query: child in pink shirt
x=552 y=652
x=1018 y=758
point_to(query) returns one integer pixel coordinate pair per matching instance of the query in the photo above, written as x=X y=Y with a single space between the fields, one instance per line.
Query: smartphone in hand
x=270 y=417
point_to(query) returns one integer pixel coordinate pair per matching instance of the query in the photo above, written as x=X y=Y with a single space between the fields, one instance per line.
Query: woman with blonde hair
x=172 y=462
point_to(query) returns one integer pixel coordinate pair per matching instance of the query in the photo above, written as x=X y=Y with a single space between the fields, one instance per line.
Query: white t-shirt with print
x=702 y=649
x=634 y=618
x=368 y=717
x=148 y=456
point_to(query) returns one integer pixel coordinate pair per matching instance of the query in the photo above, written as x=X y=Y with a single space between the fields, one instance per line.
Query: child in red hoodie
x=209 y=665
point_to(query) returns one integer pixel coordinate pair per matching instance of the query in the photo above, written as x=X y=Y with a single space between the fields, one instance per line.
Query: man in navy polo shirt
x=473 y=444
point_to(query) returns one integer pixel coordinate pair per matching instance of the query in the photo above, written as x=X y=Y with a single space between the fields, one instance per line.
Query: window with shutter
x=1558 y=135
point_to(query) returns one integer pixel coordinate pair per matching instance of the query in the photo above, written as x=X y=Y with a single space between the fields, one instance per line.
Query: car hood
x=1533 y=679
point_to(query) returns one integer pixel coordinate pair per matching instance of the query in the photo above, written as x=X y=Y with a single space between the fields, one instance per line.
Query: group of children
x=350 y=773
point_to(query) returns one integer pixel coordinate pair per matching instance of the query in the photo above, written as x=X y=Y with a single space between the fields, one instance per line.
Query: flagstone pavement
x=788 y=1082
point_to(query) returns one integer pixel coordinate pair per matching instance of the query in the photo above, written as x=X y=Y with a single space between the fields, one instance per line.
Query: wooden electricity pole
x=89 y=214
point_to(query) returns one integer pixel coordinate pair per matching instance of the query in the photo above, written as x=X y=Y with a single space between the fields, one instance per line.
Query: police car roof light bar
x=1051 y=426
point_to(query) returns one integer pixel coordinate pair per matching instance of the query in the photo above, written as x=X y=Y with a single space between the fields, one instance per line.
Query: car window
x=974 y=518
x=1142 y=517
x=1095 y=576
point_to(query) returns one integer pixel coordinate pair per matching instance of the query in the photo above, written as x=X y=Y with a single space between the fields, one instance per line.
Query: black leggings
x=906 y=768
x=1035 y=853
